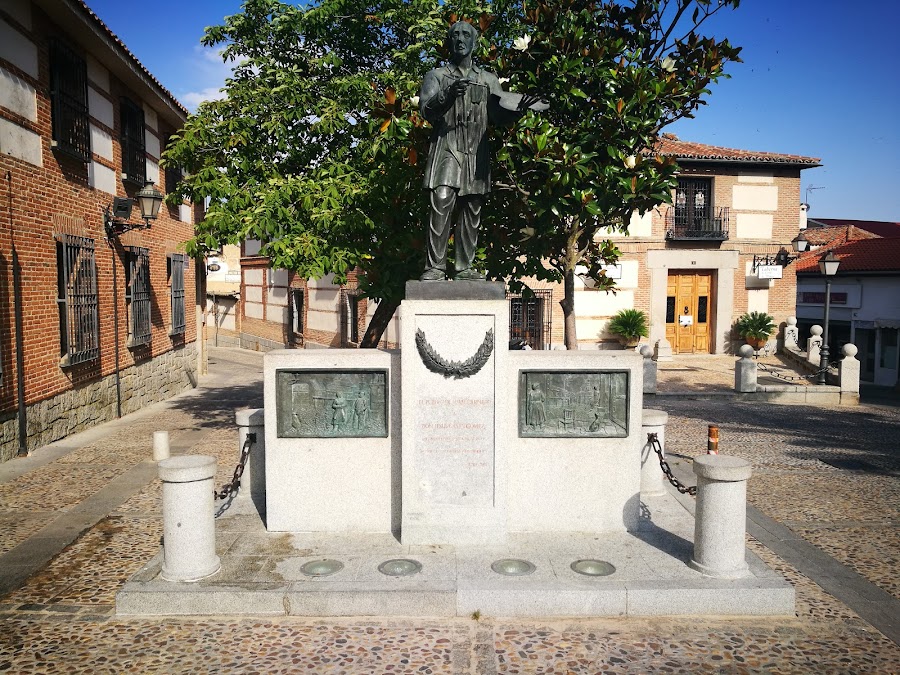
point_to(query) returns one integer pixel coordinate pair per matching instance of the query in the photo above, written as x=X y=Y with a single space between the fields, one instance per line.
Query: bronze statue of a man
x=460 y=99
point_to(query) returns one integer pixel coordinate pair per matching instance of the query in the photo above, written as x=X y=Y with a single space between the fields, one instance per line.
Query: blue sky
x=819 y=78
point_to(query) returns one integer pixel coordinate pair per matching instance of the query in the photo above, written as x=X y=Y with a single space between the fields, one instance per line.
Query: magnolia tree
x=616 y=74
x=318 y=148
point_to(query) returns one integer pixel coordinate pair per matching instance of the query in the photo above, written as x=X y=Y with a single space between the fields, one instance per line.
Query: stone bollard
x=791 y=333
x=189 y=524
x=814 y=346
x=160 y=445
x=663 y=350
x=720 y=520
x=650 y=369
x=252 y=421
x=745 y=371
x=848 y=369
x=653 y=480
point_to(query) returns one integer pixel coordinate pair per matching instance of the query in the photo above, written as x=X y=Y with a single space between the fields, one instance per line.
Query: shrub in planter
x=755 y=328
x=630 y=325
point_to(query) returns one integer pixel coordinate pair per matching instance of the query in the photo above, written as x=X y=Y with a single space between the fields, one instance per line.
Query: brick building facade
x=94 y=323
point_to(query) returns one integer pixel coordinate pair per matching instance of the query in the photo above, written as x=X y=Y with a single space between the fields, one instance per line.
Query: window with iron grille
x=349 y=317
x=137 y=295
x=175 y=265
x=529 y=318
x=79 y=324
x=297 y=302
x=69 y=102
x=134 y=158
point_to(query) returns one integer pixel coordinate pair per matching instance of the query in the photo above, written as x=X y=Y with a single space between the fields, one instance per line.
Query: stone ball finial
x=816 y=330
x=792 y=321
x=646 y=351
x=850 y=350
x=745 y=351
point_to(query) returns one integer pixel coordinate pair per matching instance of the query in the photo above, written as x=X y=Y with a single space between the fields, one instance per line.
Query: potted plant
x=755 y=328
x=630 y=325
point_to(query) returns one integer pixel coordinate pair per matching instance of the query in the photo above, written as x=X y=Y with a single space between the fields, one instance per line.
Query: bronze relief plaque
x=331 y=403
x=573 y=404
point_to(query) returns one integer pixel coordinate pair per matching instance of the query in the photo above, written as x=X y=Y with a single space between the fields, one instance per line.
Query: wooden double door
x=689 y=305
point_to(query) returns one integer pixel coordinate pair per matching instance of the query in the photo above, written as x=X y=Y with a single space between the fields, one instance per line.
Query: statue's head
x=461 y=40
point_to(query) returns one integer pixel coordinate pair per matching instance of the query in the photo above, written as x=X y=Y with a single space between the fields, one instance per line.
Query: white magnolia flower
x=414 y=101
x=503 y=80
x=521 y=44
x=527 y=233
x=668 y=64
x=631 y=161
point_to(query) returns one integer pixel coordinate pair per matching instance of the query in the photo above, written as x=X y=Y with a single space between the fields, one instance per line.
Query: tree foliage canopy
x=318 y=149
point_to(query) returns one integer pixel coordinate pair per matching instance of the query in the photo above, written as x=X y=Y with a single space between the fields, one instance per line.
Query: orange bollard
x=712 y=442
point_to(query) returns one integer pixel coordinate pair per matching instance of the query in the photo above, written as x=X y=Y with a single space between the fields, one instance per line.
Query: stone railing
x=842 y=387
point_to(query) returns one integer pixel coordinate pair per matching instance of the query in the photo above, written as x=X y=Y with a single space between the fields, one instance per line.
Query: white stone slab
x=151 y=143
x=19 y=142
x=17 y=96
x=97 y=74
x=18 y=49
x=348 y=484
x=101 y=108
x=453 y=447
x=253 y=277
x=755 y=197
x=754 y=225
x=253 y=310
x=101 y=143
x=185 y=213
x=150 y=117
x=102 y=178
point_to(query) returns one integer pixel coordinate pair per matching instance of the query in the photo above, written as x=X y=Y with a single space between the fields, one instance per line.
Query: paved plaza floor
x=78 y=518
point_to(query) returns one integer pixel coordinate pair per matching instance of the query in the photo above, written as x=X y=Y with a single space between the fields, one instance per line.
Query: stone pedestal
x=848 y=369
x=326 y=469
x=791 y=333
x=814 y=346
x=454 y=349
x=650 y=369
x=663 y=350
x=653 y=480
x=720 y=517
x=745 y=371
x=160 y=445
x=253 y=481
x=189 y=530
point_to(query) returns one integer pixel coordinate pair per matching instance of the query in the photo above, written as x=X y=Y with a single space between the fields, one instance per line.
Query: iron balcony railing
x=682 y=225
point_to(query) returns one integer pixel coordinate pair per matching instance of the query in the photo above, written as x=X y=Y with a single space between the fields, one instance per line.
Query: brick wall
x=54 y=194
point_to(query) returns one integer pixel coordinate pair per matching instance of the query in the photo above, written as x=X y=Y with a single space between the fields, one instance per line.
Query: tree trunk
x=384 y=312
x=568 y=308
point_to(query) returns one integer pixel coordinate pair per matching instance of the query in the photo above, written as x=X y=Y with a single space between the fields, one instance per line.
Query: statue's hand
x=458 y=88
x=533 y=102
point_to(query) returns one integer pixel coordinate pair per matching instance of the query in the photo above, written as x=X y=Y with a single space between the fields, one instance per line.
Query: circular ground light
x=400 y=567
x=593 y=568
x=513 y=567
x=322 y=568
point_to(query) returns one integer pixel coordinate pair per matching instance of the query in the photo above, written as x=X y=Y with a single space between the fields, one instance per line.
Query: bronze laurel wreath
x=437 y=364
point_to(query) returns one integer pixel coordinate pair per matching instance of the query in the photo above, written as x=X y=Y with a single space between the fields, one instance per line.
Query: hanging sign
x=769 y=271
x=685 y=320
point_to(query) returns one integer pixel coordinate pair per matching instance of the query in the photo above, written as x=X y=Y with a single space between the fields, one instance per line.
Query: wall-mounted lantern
x=116 y=215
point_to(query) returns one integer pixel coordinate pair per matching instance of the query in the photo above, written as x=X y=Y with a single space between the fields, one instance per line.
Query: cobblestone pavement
x=61 y=620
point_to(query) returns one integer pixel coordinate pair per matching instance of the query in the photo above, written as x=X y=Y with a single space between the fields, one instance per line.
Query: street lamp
x=828 y=266
x=116 y=215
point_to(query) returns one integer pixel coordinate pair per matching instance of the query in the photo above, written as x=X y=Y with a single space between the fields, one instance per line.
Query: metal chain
x=235 y=484
x=790 y=378
x=653 y=440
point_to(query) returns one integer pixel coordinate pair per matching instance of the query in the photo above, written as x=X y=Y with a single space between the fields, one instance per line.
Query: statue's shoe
x=470 y=274
x=433 y=275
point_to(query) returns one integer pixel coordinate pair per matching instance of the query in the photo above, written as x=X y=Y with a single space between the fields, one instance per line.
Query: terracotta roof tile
x=671 y=145
x=824 y=236
x=880 y=228
x=862 y=255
